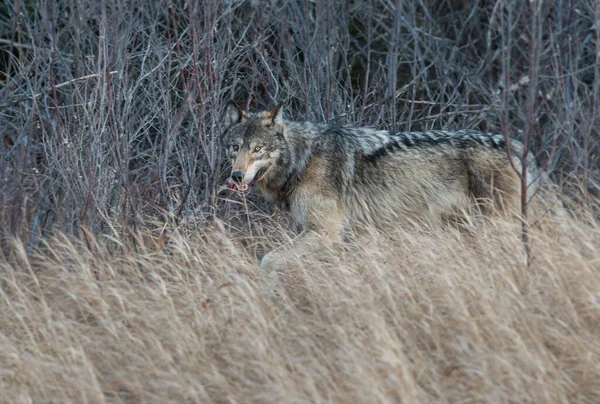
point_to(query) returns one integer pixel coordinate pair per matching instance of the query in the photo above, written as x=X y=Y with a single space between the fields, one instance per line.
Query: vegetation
x=128 y=275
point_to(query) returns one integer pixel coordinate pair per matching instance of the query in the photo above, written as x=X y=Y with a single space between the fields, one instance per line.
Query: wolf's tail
x=543 y=194
x=545 y=198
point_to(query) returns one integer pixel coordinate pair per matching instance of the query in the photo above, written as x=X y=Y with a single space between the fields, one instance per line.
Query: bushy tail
x=545 y=198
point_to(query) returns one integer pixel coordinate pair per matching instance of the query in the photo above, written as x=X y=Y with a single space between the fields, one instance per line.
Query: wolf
x=334 y=179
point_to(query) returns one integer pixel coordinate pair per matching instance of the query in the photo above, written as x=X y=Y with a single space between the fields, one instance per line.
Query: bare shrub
x=111 y=111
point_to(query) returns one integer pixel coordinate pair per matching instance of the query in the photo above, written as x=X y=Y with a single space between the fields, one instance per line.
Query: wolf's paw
x=272 y=262
x=272 y=269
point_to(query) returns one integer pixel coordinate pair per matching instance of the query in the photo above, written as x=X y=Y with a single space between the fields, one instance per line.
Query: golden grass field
x=415 y=317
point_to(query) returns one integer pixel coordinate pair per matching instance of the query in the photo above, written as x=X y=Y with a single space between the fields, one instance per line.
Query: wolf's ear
x=233 y=115
x=276 y=114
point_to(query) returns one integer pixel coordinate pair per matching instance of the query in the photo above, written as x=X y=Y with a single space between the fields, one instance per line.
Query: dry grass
x=414 y=317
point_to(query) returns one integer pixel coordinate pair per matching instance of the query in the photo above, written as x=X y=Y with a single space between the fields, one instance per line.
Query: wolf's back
x=428 y=176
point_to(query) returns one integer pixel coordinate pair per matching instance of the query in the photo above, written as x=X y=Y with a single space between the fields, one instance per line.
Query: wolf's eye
x=257 y=149
x=235 y=147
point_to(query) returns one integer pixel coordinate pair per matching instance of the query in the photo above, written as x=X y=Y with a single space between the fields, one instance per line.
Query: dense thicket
x=111 y=109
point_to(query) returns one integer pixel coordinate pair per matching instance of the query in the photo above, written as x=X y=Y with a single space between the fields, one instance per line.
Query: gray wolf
x=335 y=178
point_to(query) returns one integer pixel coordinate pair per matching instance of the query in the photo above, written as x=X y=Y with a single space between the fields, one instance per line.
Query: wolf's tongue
x=235 y=186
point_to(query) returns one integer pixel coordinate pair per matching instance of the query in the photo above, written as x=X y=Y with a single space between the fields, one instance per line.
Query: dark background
x=111 y=111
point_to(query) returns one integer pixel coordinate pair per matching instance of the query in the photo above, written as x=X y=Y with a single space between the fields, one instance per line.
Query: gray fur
x=331 y=176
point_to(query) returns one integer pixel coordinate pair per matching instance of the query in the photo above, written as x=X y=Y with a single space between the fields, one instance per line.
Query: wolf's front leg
x=285 y=256
x=324 y=219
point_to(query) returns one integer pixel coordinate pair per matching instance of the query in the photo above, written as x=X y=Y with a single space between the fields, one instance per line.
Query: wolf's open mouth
x=241 y=186
x=235 y=186
x=246 y=186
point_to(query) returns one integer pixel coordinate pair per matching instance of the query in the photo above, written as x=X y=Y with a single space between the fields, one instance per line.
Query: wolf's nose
x=237 y=176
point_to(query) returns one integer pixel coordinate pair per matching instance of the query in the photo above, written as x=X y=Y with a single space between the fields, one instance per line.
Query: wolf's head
x=254 y=141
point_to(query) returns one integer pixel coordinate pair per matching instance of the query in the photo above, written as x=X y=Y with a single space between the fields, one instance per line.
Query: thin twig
x=50 y=89
x=15 y=44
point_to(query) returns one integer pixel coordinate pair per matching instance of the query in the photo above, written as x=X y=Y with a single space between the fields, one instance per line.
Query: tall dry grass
x=414 y=317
